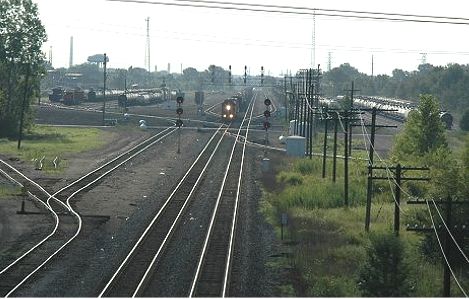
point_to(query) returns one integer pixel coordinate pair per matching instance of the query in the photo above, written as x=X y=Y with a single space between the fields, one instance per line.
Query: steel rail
x=211 y=228
x=138 y=148
x=160 y=214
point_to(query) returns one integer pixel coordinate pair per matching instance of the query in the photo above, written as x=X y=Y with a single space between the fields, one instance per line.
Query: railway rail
x=134 y=274
x=13 y=276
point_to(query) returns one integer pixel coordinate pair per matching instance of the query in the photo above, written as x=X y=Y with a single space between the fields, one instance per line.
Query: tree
x=21 y=38
x=423 y=132
x=464 y=123
x=385 y=272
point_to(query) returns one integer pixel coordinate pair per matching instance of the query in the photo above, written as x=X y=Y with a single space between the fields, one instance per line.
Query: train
x=130 y=98
x=231 y=107
x=402 y=107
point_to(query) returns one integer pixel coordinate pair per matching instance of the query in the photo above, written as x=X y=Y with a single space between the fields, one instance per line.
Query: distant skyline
x=199 y=37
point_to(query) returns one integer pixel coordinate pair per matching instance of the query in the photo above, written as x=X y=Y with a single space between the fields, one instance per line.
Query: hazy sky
x=199 y=37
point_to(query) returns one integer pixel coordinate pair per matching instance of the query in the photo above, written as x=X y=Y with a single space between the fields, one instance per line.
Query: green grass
x=330 y=240
x=51 y=142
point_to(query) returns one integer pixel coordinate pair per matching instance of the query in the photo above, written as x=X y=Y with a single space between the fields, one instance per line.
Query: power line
x=298 y=11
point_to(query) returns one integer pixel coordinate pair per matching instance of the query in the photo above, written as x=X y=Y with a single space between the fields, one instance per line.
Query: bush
x=385 y=273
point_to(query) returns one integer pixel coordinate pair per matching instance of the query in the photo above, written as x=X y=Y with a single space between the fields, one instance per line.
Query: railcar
x=57 y=94
x=73 y=97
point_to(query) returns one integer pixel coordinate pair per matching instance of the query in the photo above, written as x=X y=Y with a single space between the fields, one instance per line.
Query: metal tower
x=313 y=42
x=70 y=62
x=147 y=48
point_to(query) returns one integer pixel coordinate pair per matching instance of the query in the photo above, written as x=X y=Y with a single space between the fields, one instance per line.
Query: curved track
x=66 y=228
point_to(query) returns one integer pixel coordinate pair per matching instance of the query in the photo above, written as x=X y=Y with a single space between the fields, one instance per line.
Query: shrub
x=385 y=273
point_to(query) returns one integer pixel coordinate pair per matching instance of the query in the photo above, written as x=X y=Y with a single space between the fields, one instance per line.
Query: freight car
x=73 y=97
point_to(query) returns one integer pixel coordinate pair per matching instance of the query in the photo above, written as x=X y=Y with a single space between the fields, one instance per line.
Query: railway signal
x=245 y=73
x=262 y=75
x=229 y=74
x=266 y=124
x=179 y=111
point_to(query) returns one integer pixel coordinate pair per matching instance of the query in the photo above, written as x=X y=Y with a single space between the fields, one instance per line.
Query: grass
x=51 y=142
x=329 y=240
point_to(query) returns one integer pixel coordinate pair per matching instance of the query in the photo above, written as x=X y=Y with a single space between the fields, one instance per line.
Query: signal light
x=179 y=123
x=267 y=102
x=179 y=110
x=179 y=100
x=267 y=113
x=266 y=125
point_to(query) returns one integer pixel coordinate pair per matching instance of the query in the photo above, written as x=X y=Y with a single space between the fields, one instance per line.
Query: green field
x=52 y=142
x=327 y=242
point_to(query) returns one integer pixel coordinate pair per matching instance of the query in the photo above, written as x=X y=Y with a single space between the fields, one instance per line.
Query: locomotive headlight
x=224 y=115
x=231 y=115
x=228 y=107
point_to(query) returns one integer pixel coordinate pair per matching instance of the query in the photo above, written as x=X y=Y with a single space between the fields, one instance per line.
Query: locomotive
x=229 y=109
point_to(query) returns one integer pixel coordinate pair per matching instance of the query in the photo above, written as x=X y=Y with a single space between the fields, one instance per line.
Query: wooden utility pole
x=324 y=150
x=398 y=179
x=104 y=91
x=447 y=240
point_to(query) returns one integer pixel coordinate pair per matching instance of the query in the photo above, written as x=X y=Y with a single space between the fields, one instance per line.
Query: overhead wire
x=449 y=232
x=442 y=250
x=298 y=11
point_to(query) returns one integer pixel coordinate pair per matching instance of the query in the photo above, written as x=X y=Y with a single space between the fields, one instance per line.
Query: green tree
x=385 y=272
x=21 y=38
x=464 y=123
x=423 y=132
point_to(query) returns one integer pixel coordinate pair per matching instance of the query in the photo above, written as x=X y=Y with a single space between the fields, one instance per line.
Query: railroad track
x=135 y=273
x=68 y=222
x=214 y=267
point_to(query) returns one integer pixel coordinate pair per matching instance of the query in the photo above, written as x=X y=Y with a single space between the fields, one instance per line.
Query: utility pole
x=371 y=151
x=351 y=123
x=104 y=91
x=447 y=240
x=324 y=151
x=398 y=178
x=334 y=159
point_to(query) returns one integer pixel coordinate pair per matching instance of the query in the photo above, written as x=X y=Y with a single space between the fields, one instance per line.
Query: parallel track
x=19 y=271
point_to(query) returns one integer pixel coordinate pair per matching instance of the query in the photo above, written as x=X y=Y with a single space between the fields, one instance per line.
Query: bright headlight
x=231 y=115
x=228 y=107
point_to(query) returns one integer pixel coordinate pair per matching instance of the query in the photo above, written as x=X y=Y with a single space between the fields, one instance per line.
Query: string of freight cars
x=251 y=7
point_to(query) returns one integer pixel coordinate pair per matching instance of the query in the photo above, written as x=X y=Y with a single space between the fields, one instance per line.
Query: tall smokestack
x=70 y=62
